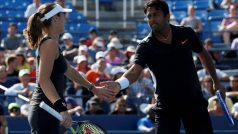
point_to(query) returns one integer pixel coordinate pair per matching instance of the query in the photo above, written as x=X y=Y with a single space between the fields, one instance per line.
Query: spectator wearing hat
x=25 y=87
x=82 y=41
x=113 y=55
x=92 y=34
x=101 y=55
x=13 y=40
x=116 y=73
x=11 y=64
x=97 y=45
x=147 y=124
x=69 y=50
x=14 y=110
x=83 y=50
x=130 y=50
x=95 y=75
x=82 y=64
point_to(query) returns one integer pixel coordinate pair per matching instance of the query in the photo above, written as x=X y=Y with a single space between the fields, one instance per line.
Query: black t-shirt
x=172 y=65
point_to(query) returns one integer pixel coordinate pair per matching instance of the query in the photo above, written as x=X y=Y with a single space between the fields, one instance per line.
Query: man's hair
x=158 y=5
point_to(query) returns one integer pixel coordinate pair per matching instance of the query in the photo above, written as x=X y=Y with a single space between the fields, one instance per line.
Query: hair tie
x=38 y=14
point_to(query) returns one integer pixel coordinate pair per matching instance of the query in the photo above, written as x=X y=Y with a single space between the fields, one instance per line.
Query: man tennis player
x=168 y=52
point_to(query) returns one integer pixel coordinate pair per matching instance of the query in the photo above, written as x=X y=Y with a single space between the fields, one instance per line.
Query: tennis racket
x=225 y=108
x=19 y=95
x=83 y=127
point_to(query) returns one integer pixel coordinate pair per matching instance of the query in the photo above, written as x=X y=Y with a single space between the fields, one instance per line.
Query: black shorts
x=42 y=122
x=195 y=119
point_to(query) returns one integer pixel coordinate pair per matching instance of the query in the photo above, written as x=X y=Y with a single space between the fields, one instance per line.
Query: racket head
x=88 y=127
x=225 y=108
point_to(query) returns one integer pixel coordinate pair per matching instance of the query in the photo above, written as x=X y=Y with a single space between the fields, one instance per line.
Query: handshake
x=107 y=90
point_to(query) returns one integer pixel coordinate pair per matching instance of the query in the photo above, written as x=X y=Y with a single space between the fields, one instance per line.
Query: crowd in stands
x=100 y=59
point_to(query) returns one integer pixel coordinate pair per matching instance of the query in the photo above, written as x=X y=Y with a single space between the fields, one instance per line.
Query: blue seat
x=181 y=5
x=217 y=14
x=202 y=14
x=179 y=15
x=201 y=4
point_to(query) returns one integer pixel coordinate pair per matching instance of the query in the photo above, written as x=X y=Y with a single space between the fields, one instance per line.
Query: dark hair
x=12 y=24
x=33 y=32
x=158 y=5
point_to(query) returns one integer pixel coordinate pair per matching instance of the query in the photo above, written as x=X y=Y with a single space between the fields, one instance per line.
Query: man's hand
x=104 y=93
x=67 y=120
x=219 y=86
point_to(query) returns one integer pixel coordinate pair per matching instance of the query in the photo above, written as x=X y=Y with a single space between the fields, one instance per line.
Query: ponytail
x=34 y=31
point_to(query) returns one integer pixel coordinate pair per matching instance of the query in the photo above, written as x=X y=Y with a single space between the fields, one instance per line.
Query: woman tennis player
x=42 y=32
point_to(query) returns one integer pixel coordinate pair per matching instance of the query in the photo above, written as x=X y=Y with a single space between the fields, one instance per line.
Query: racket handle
x=51 y=111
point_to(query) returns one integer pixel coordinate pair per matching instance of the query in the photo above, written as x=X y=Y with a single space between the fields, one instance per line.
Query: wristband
x=60 y=105
x=123 y=82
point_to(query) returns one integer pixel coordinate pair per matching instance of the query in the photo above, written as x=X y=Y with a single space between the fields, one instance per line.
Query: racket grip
x=51 y=111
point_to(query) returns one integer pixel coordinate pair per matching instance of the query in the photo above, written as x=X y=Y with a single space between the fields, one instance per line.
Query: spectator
x=116 y=73
x=24 y=110
x=147 y=124
x=207 y=86
x=121 y=107
x=130 y=50
x=14 y=110
x=2 y=55
x=4 y=80
x=83 y=50
x=101 y=55
x=113 y=53
x=112 y=34
x=13 y=40
x=192 y=20
x=72 y=106
x=69 y=50
x=229 y=25
x=234 y=44
x=214 y=108
x=21 y=60
x=32 y=8
x=95 y=75
x=24 y=88
x=232 y=89
x=82 y=64
x=234 y=111
x=11 y=63
x=94 y=107
x=216 y=56
x=92 y=35
x=225 y=4
x=220 y=74
x=97 y=45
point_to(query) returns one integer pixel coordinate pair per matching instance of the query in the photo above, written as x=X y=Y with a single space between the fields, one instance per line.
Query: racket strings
x=88 y=128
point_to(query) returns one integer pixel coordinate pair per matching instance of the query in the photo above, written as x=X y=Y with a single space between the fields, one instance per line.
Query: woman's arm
x=48 y=53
